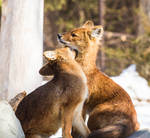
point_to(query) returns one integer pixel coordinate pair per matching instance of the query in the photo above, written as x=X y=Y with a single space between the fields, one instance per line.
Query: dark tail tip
x=113 y=131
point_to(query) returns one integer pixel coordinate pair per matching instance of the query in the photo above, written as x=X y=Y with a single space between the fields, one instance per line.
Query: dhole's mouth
x=60 y=40
x=75 y=50
x=67 y=44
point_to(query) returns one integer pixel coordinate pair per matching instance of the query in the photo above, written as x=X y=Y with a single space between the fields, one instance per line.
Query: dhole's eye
x=73 y=35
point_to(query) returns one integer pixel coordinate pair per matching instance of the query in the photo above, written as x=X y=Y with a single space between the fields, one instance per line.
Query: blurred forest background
x=127 y=30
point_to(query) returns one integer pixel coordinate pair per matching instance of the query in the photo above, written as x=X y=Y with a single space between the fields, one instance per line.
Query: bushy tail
x=111 y=131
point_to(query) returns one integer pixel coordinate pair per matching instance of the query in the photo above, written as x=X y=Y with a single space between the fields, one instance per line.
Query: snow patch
x=10 y=126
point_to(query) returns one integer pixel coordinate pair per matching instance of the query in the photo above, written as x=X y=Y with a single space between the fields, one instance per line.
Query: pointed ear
x=50 y=55
x=88 y=24
x=97 y=32
x=46 y=70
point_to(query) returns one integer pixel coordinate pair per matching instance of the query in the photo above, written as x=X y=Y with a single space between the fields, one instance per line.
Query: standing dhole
x=111 y=111
x=59 y=102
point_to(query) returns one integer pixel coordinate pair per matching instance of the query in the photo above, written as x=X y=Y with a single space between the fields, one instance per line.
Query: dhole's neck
x=72 y=68
x=88 y=59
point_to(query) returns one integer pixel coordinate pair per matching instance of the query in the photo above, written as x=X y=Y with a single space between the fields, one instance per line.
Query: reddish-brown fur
x=111 y=111
x=59 y=102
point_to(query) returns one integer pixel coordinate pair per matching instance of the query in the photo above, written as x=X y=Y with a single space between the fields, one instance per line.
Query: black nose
x=59 y=36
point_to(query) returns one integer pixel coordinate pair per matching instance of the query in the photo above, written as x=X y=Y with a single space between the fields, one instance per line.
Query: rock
x=10 y=126
x=145 y=133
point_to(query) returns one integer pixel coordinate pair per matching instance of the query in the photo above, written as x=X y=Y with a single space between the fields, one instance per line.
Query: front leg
x=67 y=122
x=79 y=123
x=75 y=133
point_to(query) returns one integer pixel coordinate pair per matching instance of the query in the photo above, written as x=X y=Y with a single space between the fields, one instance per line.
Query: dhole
x=59 y=102
x=111 y=111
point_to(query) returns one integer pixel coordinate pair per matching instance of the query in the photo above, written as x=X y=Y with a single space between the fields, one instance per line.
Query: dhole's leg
x=79 y=123
x=67 y=123
x=75 y=133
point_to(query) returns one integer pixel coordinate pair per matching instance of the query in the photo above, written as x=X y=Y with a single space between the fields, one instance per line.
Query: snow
x=10 y=126
x=58 y=134
x=139 y=91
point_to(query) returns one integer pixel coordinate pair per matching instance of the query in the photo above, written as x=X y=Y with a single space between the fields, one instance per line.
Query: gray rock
x=145 y=133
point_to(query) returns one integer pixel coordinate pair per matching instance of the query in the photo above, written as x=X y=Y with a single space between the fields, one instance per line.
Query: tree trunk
x=101 y=11
x=101 y=57
x=21 y=46
x=144 y=18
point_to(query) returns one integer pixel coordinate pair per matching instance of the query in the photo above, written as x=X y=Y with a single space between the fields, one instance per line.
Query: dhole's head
x=60 y=54
x=56 y=58
x=83 y=37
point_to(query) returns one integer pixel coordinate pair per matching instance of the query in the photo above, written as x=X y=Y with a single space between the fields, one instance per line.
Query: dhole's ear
x=88 y=24
x=46 y=70
x=50 y=55
x=97 y=32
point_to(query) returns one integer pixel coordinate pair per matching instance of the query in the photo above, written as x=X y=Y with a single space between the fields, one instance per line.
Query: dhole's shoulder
x=105 y=85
